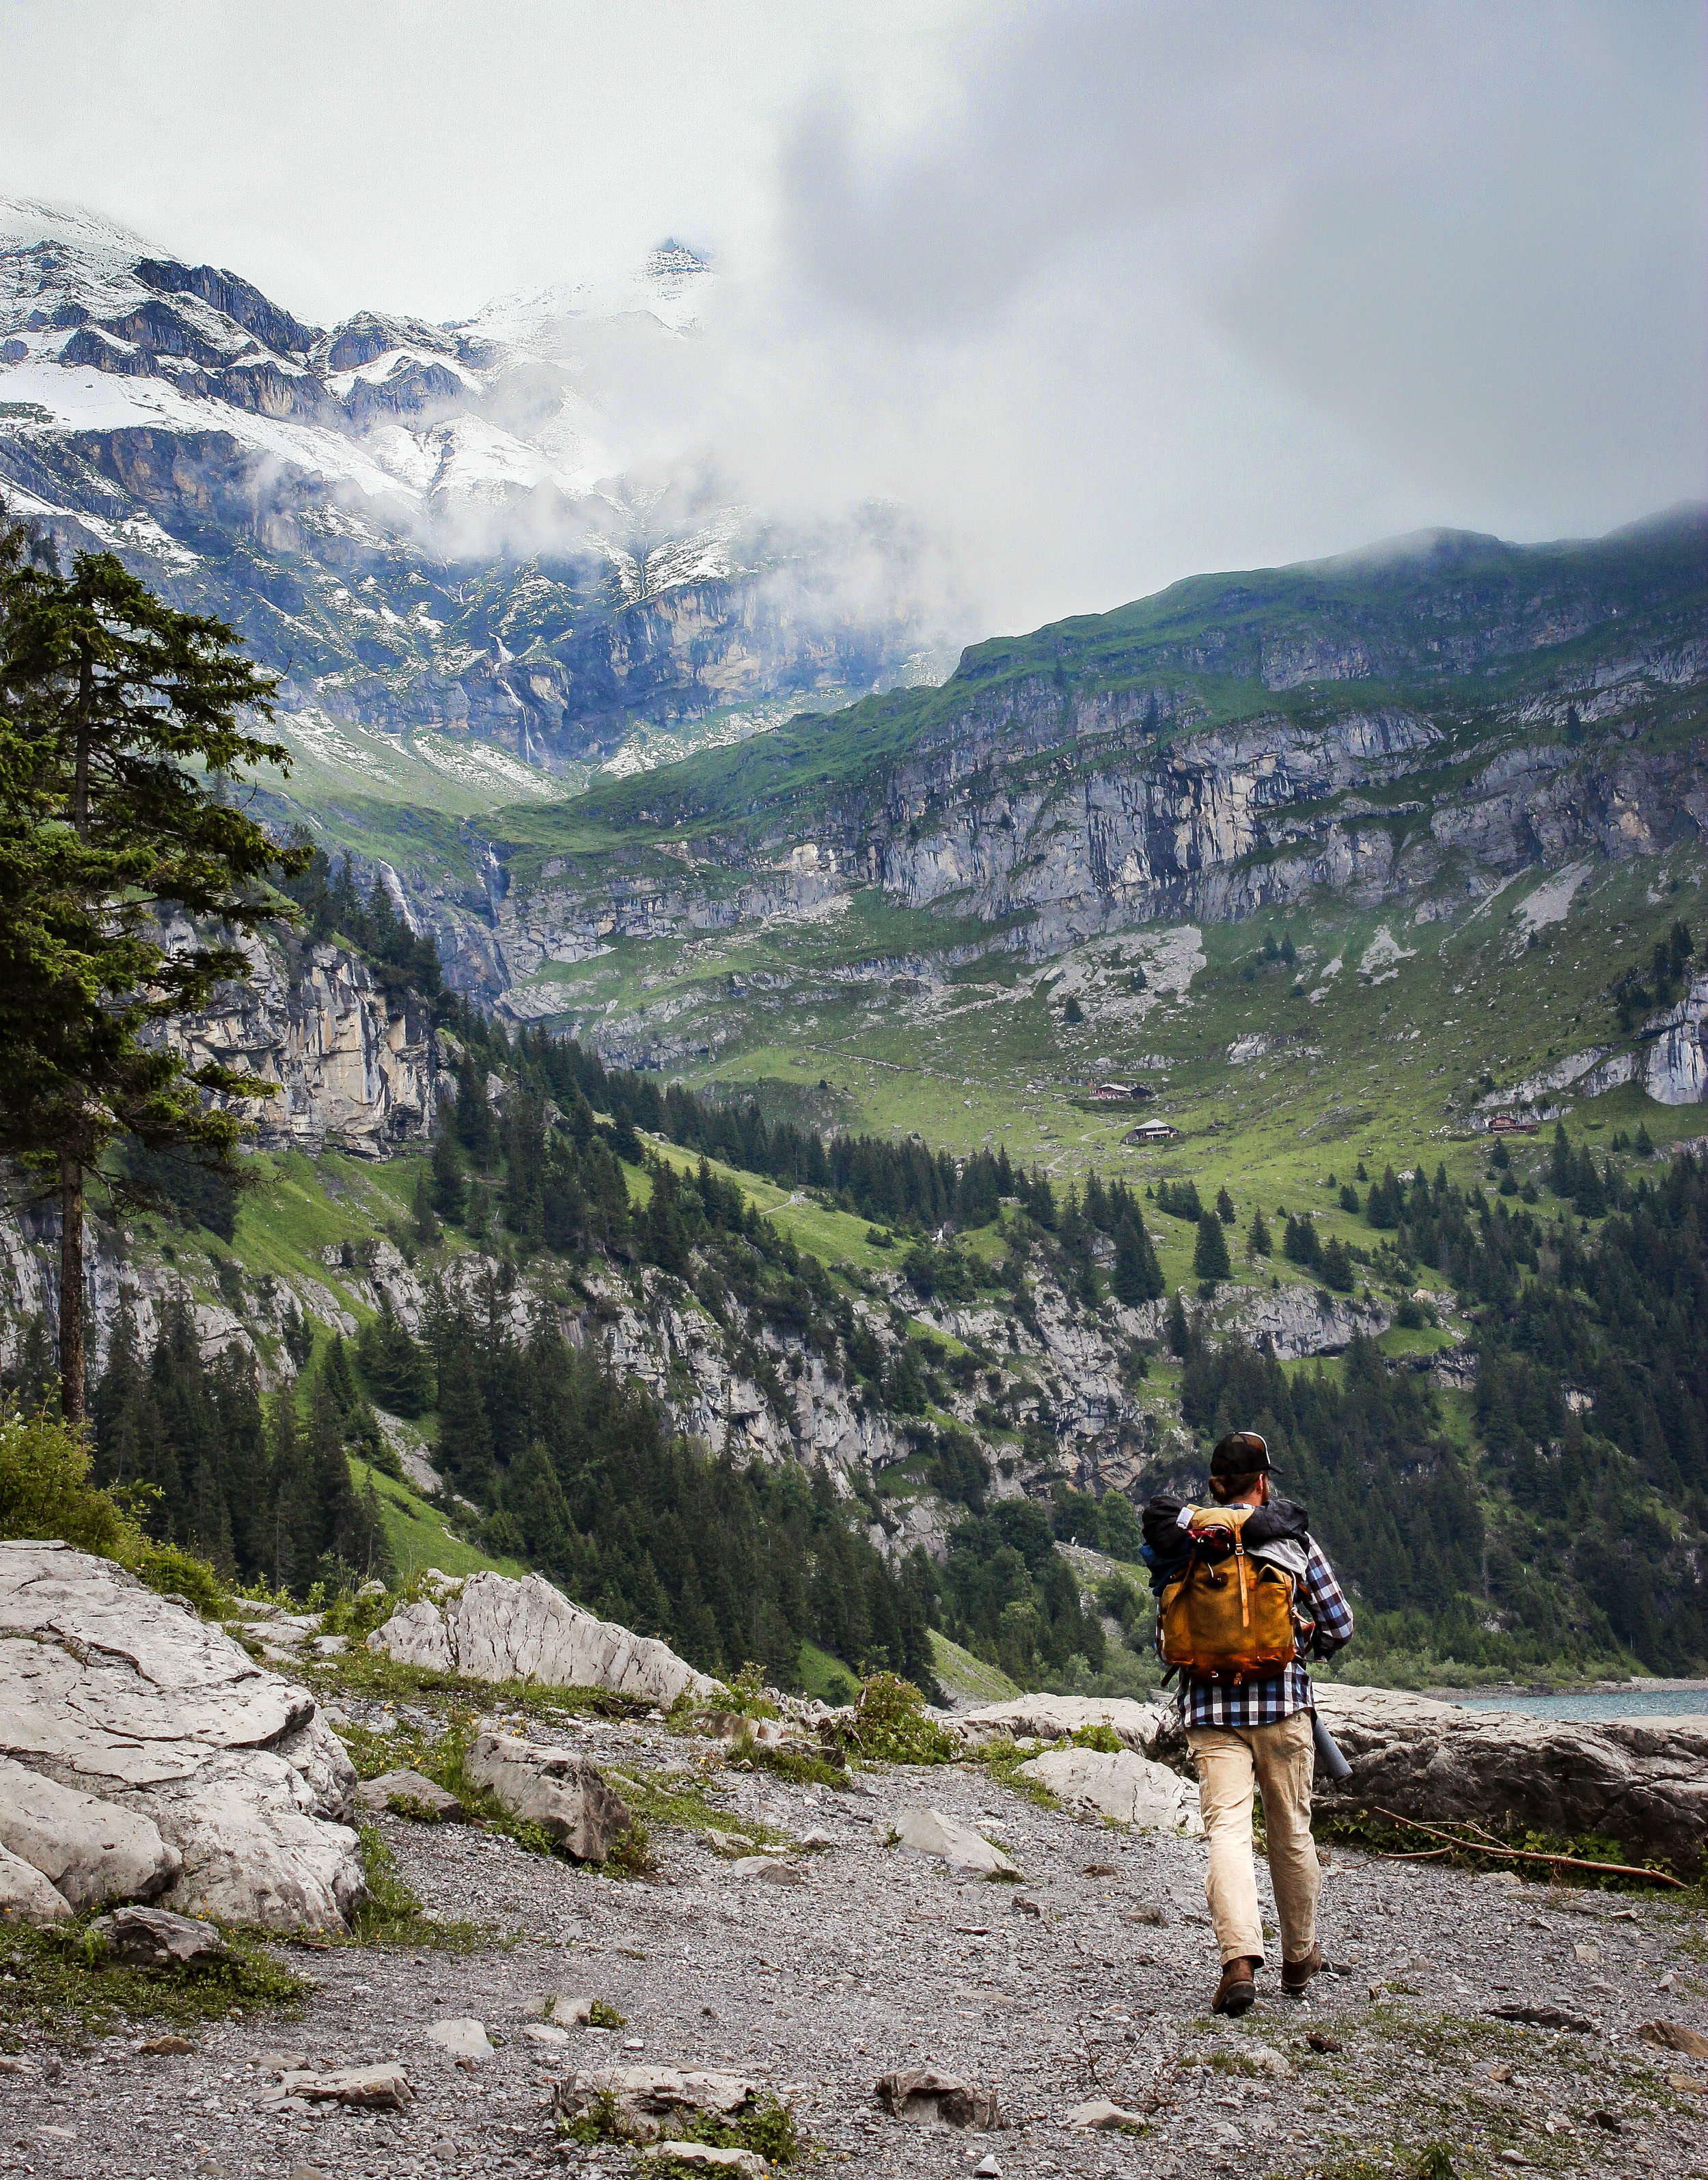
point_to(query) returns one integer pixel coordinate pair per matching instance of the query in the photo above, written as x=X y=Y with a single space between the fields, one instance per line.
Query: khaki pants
x=1279 y=1759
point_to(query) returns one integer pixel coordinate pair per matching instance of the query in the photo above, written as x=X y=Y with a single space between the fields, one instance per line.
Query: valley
x=653 y=1193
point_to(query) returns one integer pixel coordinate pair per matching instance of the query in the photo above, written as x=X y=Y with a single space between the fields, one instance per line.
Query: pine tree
x=1210 y=1252
x=476 y=1129
x=1224 y=1206
x=465 y=1438
x=450 y=1188
x=119 y=742
x=1257 y=1241
x=1138 y=1275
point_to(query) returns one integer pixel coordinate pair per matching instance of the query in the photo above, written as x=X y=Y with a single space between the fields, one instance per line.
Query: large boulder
x=125 y=1698
x=561 y=1793
x=1129 y=1789
x=494 y=1629
x=1641 y=1781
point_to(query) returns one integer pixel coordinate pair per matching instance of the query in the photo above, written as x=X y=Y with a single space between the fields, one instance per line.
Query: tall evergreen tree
x=120 y=735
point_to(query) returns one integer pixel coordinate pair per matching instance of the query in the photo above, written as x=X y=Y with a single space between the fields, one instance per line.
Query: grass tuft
x=59 y=1976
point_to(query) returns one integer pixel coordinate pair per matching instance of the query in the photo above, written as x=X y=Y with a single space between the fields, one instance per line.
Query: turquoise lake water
x=1603 y=1703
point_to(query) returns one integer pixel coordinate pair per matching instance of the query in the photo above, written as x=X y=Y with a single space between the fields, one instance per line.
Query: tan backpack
x=1228 y=1616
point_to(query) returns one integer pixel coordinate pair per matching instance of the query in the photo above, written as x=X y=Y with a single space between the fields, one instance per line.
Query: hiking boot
x=1295 y=1975
x=1237 y=1989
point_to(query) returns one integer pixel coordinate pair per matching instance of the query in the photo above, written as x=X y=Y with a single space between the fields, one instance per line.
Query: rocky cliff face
x=355 y=1065
x=357 y=1070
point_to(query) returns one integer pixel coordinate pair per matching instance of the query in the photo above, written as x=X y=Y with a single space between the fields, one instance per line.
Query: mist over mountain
x=498 y=533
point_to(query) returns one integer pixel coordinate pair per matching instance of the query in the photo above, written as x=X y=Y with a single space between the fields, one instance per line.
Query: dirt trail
x=1088 y=1979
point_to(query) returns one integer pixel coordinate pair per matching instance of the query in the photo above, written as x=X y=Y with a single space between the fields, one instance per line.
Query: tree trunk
x=71 y=1290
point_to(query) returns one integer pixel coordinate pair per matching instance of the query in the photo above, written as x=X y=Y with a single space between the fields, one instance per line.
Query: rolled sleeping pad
x=1328 y=1754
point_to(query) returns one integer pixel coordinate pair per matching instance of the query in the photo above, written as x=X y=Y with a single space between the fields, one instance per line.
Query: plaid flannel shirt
x=1267 y=1702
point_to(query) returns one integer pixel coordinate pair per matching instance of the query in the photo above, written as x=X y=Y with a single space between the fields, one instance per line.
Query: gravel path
x=1090 y=1980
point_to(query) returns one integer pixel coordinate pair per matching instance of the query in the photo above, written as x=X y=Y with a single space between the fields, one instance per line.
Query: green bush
x=891 y=1725
x=45 y=1491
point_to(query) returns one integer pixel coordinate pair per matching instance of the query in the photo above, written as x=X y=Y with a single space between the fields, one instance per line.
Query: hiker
x=1244 y=1595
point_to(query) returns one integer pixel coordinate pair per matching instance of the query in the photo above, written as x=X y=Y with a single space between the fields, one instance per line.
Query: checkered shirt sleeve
x=1267 y=1702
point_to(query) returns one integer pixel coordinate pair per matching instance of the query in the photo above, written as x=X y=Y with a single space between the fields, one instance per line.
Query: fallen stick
x=1529 y=1854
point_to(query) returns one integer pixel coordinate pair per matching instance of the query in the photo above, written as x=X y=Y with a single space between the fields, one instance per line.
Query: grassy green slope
x=1407 y=622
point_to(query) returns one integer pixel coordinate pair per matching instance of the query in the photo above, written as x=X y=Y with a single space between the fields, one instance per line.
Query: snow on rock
x=495 y=1629
x=129 y=1701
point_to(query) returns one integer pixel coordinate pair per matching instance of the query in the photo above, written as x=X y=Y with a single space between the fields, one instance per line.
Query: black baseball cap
x=1241 y=1453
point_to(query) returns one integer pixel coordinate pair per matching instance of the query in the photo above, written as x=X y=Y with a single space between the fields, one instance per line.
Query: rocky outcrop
x=646 y=2101
x=1675 y=1065
x=89 y=1850
x=1056 y=1718
x=563 y=1794
x=355 y=1065
x=146 y=1753
x=1291 y=1322
x=1643 y=1782
x=491 y=1629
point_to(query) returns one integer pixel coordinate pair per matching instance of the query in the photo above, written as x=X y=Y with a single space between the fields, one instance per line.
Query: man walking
x=1248 y=1712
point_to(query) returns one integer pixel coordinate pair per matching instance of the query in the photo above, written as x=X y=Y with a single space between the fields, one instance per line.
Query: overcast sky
x=1106 y=295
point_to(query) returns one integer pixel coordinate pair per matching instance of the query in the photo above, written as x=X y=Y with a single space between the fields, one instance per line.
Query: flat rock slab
x=928 y=1831
x=408 y=1794
x=153 y=1938
x=1129 y=1788
x=492 y=1629
x=565 y=1794
x=1644 y=1782
x=363 y=2089
x=647 y=2096
x=730 y=1845
x=709 y=2157
x=928 y=2099
x=1674 y=2036
x=131 y=1700
x=461 y=2039
x=1099 y=2117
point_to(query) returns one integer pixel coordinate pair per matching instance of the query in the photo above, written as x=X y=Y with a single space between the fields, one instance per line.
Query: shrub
x=45 y=1489
x=891 y=1725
